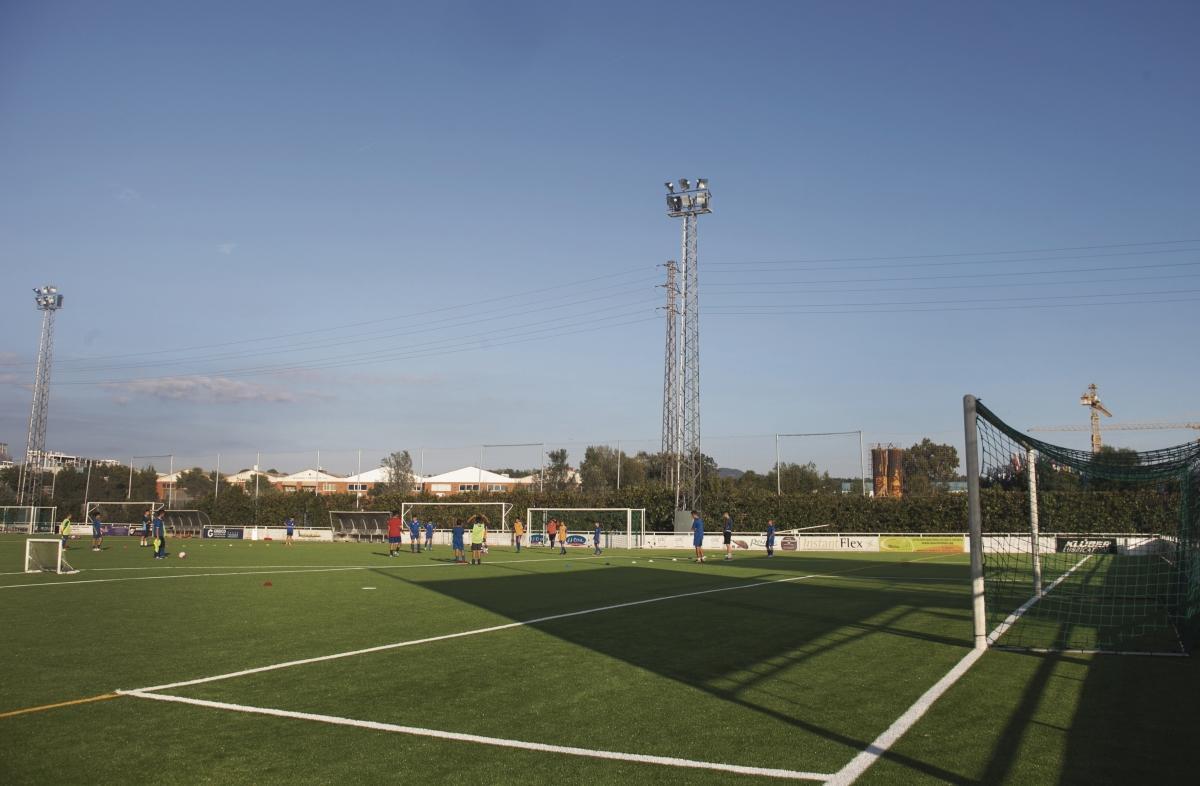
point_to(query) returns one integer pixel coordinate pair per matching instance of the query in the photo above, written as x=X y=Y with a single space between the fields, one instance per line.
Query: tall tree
x=558 y=472
x=927 y=464
x=399 y=472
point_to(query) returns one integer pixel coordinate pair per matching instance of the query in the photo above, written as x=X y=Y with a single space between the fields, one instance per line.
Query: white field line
x=472 y=632
x=880 y=745
x=640 y=758
x=234 y=571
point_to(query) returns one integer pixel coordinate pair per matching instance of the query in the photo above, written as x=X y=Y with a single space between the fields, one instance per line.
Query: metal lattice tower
x=691 y=201
x=29 y=490
x=670 y=413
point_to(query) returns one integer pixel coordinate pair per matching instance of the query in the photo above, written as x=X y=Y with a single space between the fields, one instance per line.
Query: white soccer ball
x=182 y=554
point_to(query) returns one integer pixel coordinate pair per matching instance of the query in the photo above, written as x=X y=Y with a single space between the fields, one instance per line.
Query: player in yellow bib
x=478 y=538
x=64 y=529
x=518 y=532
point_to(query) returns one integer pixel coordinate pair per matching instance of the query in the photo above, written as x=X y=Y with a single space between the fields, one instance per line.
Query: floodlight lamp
x=702 y=183
x=683 y=183
x=670 y=186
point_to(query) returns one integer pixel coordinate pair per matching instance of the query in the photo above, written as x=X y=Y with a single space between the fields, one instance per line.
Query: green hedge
x=1132 y=511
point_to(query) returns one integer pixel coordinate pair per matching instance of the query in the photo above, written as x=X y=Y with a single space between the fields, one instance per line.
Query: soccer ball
x=182 y=554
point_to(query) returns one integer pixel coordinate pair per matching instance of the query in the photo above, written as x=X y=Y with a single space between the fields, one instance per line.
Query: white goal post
x=120 y=512
x=633 y=519
x=46 y=554
x=28 y=518
x=504 y=508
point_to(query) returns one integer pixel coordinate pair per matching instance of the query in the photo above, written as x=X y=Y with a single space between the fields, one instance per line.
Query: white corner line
x=472 y=632
x=640 y=758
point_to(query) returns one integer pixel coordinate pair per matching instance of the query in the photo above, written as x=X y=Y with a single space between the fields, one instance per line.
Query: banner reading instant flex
x=940 y=544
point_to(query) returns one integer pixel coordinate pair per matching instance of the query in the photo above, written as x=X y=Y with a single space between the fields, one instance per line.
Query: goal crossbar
x=505 y=508
x=629 y=514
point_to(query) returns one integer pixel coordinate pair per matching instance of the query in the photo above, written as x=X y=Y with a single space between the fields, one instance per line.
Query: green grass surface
x=798 y=674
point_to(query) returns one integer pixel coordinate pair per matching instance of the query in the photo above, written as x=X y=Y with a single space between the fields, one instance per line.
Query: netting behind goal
x=45 y=555
x=1084 y=551
x=28 y=518
x=622 y=527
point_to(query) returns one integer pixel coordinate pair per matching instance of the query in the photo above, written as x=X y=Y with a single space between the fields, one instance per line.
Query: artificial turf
x=799 y=663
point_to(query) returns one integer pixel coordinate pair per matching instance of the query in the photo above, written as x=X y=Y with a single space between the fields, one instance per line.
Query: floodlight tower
x=29 y=492
x=691 y=201
x=670 y=413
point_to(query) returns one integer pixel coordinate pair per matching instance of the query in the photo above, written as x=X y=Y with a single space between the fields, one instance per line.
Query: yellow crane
x=1091 y=399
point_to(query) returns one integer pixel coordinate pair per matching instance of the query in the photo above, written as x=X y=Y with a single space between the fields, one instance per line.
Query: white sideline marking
x=641 y=758
x=233 y=571
x=473 y=632
x=880 y=745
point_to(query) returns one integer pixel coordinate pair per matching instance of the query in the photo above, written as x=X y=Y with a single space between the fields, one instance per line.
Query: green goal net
x=1084 y=551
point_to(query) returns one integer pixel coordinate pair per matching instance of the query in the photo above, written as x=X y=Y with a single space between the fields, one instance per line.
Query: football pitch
x=322 y=663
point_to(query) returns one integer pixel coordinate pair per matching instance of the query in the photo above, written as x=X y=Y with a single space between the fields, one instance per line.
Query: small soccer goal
x=623 y=528
x=46 y=555
x=445 y=512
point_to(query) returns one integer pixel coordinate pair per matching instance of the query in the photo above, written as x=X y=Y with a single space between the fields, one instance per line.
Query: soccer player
x=562 y=538
x=456 y=542
x=698 y=535
x=596 y=539
x=145 y=529
x=160 y=536
x=478 y=538
x=97 y=531
x=64 y=529
x=770 y=537
x=395 y=524
x=290 y=525
x=551 y=528
x=429 y=535
x=414 y=536
x=518 y=531
x=727 y=533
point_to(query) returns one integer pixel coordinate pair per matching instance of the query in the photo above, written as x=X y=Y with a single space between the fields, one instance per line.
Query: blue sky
x=290 y=227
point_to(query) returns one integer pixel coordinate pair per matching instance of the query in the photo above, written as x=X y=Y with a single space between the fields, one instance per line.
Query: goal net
x=621 y=527
x=46 y=554
x=443 y=514
x=120 y=514
x=28 y=518
x=1081 y=551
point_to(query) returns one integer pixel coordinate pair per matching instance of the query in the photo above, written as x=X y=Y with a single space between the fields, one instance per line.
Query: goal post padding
x=1079 y=550
x=626 y=525
x=46 y=555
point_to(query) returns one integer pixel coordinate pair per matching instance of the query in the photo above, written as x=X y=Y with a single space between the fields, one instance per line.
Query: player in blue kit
x=456 y=542
x=290 y=527
x=414 y=536
x=429 y=536
x=97 y=531
x=145 y=529
x=698 y=535
x=596 y=540
x=160 y=536
x=770 y=537
x=727 y=535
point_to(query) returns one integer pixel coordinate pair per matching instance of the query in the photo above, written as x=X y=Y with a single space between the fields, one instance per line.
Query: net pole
x=975 y=522
x=1035 y=549
x=629 y=528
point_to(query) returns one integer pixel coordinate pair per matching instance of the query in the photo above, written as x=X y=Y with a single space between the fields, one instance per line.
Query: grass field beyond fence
x=320 y=663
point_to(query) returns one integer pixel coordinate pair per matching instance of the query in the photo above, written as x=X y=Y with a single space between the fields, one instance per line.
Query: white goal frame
x=31 y=518
x=641 y=540
x=60 y=566
x=98 y=505
x=505 y=509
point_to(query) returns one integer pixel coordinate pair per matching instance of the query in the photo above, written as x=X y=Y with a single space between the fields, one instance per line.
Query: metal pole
x=778 y=482
x=975 y=521
x=542 y=476
x=359 y=483
x=618 y=465
x=87 y=486
x=217 y=479
x=480 y=483
x=171 y=488
x=1035 y=544
x=257 y=464
x=422 y=462
x=128 y=491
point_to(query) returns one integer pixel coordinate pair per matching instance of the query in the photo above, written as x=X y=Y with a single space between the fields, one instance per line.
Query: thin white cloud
x=226 y=248
x=207 y=390
x=126 y=194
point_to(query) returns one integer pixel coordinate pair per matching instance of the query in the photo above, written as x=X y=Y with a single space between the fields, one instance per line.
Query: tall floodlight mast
x=29 y=491
x=689 y=202
x=670 y=413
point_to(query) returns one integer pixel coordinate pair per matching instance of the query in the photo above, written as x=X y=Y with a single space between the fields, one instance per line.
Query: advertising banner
x=1085 y=545
x=223 y=533
x=941 y=544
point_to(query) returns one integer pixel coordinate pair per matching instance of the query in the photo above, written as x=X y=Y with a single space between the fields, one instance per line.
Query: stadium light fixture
x=670 y=186
x=701 y=183
x=684 y=184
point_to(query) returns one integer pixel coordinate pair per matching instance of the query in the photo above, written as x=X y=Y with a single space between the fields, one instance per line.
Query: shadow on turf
x=729 y=645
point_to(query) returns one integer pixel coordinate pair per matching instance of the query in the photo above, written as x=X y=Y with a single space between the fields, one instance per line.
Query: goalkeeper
x=160 y=536
x=478 y=537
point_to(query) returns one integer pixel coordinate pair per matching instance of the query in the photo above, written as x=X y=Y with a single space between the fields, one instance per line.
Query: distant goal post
x=629 y=523
x=28 y=518
x=497 y=520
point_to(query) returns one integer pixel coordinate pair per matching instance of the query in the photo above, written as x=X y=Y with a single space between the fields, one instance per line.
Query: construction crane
x=1091 y=399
